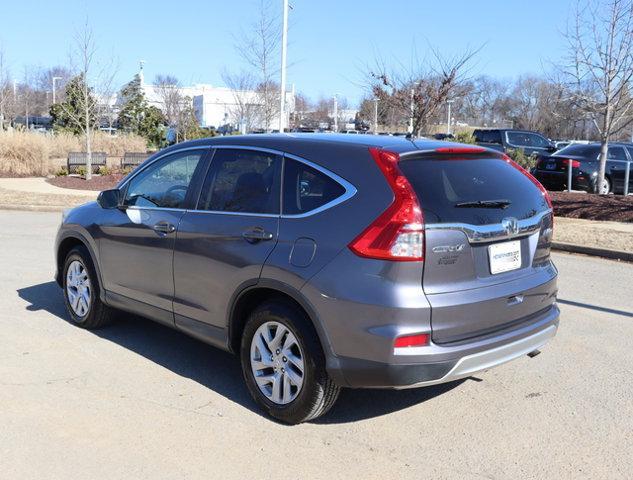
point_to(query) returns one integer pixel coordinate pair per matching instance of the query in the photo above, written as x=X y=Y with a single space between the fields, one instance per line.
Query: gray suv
x=322 y=260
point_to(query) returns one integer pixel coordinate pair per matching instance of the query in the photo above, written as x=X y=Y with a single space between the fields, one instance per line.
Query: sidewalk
x=36 y=194
x=40 y=185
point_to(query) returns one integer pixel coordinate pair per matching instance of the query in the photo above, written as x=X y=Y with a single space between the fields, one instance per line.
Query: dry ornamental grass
x=29 y=153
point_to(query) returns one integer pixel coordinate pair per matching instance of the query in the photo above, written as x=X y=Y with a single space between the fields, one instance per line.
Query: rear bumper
x=359 y=373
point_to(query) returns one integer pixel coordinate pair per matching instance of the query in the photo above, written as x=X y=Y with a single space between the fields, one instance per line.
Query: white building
x=217 y=106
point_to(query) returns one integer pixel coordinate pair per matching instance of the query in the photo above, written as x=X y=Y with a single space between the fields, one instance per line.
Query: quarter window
x=165 y=183
x=244 y=181
x=306 y=189
x=617 y=153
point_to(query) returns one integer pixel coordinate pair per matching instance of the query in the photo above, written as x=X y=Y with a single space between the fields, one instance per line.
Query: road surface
x=139 y=400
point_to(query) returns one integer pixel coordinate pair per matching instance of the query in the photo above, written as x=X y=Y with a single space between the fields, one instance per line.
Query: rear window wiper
x=485 y=204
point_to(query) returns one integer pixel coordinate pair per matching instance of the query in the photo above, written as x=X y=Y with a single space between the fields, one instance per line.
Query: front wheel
x=283 y=364
x=81 y=291
x=605 y=187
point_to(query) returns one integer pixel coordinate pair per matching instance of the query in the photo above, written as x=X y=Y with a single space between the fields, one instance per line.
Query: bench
x=78 y=159
x=133 y=159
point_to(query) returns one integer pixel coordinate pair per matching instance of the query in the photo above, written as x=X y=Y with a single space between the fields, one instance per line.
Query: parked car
x=506 y=140
x=559 y=144
x=552 y=170
x=323 y=261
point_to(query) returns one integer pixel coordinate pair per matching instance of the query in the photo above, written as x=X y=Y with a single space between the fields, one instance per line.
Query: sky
x=330 y=45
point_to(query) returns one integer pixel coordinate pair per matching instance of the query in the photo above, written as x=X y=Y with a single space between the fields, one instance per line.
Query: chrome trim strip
x=489 y=233
x=470 y=364
x=350 y=190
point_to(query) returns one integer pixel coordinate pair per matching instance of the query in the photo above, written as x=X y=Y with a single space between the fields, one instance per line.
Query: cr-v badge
x=449 y=248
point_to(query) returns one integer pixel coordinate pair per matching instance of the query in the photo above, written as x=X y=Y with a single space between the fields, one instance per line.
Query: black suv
x=506 y=140
x=552 y=170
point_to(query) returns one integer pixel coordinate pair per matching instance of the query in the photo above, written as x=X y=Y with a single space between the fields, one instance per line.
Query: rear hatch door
x=488 y=232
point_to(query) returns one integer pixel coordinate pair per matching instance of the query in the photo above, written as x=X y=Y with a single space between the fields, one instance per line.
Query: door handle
x=164 y=227
x=257 y=234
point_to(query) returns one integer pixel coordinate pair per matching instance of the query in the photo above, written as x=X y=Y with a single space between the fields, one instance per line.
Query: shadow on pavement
x=595 y=307
x=218 y=370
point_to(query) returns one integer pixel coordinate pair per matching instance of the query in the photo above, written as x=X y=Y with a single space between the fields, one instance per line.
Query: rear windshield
x=449 y=189
x=589 y=152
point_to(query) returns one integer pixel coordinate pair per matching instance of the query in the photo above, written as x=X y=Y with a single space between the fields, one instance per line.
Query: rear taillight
x=574 y=163
x=398 y=233
x=409 y=341
x=531 y=177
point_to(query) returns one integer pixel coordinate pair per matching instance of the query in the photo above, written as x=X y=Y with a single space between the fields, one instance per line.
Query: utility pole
x=448 y=123
x=336 y=113
x=375 y=116
x=54 y=87
x=284 y=45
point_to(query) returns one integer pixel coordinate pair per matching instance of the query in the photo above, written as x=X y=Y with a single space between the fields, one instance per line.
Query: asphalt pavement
x=139 y=400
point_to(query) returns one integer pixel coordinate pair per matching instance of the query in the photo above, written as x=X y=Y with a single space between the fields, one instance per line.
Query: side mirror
x=109 y=199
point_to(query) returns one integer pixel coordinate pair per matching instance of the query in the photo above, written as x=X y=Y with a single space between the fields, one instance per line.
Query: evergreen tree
x=66 y=116
x=137 y=116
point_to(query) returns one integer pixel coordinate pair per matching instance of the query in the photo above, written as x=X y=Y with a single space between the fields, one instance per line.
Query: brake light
x=531 y=177
x=460 y=150
x=398 y=233
x=407 y=341
x=574 y=163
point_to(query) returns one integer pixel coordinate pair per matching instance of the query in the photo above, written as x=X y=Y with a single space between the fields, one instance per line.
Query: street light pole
x=375 y=116
x=411 y=117
x=55 y=80
x=336 y=113
x=284 y=42
x=448 y=123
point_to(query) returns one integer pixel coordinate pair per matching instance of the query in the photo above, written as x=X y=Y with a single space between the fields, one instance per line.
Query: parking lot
x=140 y=400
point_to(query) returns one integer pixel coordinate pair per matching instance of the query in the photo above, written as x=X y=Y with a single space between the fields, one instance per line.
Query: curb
x=34 y=208
x=593 y=251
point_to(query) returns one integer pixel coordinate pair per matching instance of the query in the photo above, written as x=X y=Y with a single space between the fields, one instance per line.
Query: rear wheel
x=605 y=188
x=283 y=364
x=81 y=291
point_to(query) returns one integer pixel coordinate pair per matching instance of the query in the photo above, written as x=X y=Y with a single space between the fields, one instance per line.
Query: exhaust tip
x=534 y=353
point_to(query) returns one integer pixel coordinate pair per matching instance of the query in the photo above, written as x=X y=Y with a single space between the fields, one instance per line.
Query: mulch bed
x=97 y=183
x=614 y=208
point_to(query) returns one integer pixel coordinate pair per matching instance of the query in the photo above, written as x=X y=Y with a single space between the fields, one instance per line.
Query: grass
x=30 y=153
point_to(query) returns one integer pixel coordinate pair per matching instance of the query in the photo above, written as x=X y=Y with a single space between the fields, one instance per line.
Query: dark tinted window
x=242 y=181
x=538 y=140
x=590 y=152
x=520 y=139
x=307 y=189
x=165 y=183
x=488 y=136
x=443 y=184
x=617 y=153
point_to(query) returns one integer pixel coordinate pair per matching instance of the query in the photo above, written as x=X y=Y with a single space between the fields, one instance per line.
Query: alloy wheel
x=277 y=362
x=78 y=288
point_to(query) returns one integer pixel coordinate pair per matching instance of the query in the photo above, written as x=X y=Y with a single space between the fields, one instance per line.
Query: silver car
x=323 y=261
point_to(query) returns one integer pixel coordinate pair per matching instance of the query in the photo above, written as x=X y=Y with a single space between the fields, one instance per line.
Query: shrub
x=62 y=172
x=81 y=171
x=103 y=170
x=465 y=137
x=526 y=161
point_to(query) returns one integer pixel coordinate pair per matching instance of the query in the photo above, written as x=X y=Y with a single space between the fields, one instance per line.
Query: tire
x=317 y=393
x=96 y=314
x=606 y=187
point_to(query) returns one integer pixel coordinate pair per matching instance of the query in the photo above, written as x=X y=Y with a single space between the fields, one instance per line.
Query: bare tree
x=247 y=111
x=6 y=95
x=600 y=68
x=167 y=88
x=420 y=91
x=95 y=95
x=259 y=49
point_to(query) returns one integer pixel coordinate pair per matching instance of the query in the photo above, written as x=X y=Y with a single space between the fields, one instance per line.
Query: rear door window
x=245 y=181
x=443 y=184
x=519 y=139
x=307 y=189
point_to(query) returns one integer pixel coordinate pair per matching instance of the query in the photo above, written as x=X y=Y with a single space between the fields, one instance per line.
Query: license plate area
x=504 y=257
